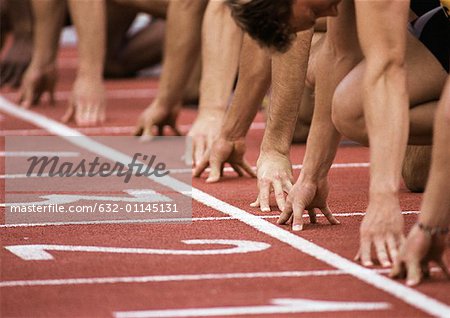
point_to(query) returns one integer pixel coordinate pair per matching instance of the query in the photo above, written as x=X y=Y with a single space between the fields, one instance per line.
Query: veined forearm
x=252 y=85
x=288 y=82
x=89 y=17
x=435 y=210
x=48 y=22
x=386 y=111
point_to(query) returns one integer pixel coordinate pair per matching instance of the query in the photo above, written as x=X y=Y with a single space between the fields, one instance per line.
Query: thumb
x=414 y=275
x=216 y=170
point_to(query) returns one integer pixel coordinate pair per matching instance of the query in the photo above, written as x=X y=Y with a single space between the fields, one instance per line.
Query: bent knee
x=347 y=112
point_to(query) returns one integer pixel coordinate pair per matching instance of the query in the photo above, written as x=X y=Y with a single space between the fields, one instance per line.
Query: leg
x=425 y=77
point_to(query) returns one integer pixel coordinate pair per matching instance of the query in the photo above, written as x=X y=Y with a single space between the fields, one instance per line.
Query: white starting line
x=181 y=220
x=178 y=278
x=169 y=278
x=408 y=295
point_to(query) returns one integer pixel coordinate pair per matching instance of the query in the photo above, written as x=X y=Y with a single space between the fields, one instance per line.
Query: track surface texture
x=286 y=274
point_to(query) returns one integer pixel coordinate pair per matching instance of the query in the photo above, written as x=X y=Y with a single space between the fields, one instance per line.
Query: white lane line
x=200 y=219
x=172 y=278
x=276 y=306
x=408 y=295
x=178 y=278
x=38 y=153
x=103 y=130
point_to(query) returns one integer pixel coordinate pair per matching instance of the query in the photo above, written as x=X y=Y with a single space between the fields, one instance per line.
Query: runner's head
x=273 y=23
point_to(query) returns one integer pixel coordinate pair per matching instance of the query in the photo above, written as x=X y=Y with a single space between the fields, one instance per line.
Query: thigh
x=425 y=77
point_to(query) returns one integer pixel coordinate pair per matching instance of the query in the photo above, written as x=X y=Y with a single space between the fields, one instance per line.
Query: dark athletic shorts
x=433 y=30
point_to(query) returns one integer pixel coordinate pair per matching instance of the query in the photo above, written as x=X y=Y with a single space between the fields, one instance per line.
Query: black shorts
x=433 y=30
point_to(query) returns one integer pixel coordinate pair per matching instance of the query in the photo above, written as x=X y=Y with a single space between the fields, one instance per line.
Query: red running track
x=314 y=265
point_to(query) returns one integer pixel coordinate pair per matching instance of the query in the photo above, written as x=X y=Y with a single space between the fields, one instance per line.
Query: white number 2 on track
x=39 y=252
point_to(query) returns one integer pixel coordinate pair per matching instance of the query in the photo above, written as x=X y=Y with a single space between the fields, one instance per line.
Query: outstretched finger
x=392 y=247
x=398 y=269
x=287 y=212
x=216 y=170
x=27 y=97
x=380 y=248
x=255 y=204
x=297 y=221
x=365 y=254
x=279 y=194
x=147 y=133
x=247 y=168
x=312 y=216
x=329 y=215
x=199 y=148
x=201 y=166
x=264 y=196
x=414 y=275
x=237 y=168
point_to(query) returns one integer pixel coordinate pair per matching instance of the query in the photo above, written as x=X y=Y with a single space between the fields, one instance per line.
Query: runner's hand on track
x=16 y=61
x=416 y=252
x=157 y=115
x=381 y=227
x=224 y=151
x=87 y=103
x=203 y=132
x=306 y=196
x=37 y=81
x=274 y=171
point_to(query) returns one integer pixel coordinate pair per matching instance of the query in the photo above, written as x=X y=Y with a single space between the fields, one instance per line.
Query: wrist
x=90 y=73
x=276 y=145
x=432 y=230
x=212 y=113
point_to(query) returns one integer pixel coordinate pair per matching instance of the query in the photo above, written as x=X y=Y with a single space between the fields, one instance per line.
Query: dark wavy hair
x=266 y=21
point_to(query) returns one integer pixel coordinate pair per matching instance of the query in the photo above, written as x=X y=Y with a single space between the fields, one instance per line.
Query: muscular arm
x=252 y=85
x=40 y=76
x=288 y=82
x=382 y=33
x=339 y=53
x=221 y=44
x=87 y=104
x=182 y=45
x=89 y=19
x=49 y=18
x=421 y=248
x=382 y=30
